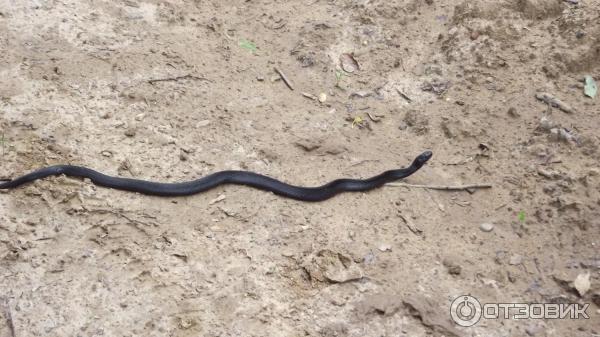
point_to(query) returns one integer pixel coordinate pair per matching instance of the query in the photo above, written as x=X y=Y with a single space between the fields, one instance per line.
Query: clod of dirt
x=430 y=315
x=383 y=304
x=130 y=132
x=454 y=128
x=418 y=122
x=539 y=9
x=331 y=266
x=332 y=148
x=436 y=86
x=563 y=135
x=546 y=124
x=125 y=166
x=323 y=146
x=554 y=102
x=452 y=265
x=512 y=112
x=551 y=71
x=183 y=156
x=556 y=132
x=308 y=144
x=334 y=330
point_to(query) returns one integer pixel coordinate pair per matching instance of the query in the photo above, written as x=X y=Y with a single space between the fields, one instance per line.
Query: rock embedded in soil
x=486 y=227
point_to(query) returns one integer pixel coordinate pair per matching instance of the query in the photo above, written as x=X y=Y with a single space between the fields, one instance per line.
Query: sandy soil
x=171 y=91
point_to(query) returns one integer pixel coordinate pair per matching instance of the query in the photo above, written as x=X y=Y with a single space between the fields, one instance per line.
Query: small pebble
x=486 y=227
x=515 y=260
x=385 y=248
x=202 y=123
x=130 y=132
x=322 y=97
x=582 y=283
x=139 y=117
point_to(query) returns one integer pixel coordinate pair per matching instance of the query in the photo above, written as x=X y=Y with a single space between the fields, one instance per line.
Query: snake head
x=422 y=159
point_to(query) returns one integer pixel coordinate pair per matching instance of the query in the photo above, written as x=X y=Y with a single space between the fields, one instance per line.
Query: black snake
x=224 y=177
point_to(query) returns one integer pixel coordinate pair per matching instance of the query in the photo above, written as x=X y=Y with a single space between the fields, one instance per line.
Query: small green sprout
x=521 y=216
x=248 y=45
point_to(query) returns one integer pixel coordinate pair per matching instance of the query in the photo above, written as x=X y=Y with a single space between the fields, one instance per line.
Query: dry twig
x=405 y=96
x=177 y=78
x=8 y=315
x=284 y=78
x=443 y=187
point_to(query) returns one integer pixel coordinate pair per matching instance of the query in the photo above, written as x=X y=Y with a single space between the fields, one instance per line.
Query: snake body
x=223 y=177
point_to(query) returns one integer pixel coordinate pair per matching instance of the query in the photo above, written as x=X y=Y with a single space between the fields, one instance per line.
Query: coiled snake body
x=224 y=177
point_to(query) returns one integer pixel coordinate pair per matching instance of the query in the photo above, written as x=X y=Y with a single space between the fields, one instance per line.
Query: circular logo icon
x=465 y=310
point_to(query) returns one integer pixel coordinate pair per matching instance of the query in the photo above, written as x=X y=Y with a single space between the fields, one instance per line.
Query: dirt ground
x=171 y=91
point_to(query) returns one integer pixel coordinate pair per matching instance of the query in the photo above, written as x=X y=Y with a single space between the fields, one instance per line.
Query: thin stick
x=442 y=187
x=284 y=78
x=2 y=141
x=184 y=77
x=9 y=318
x=311 y=96
x=405 y=96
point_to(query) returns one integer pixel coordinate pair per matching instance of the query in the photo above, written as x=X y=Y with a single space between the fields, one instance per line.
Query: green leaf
x=591 y=88
x=248 y=45
x=521 y=216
